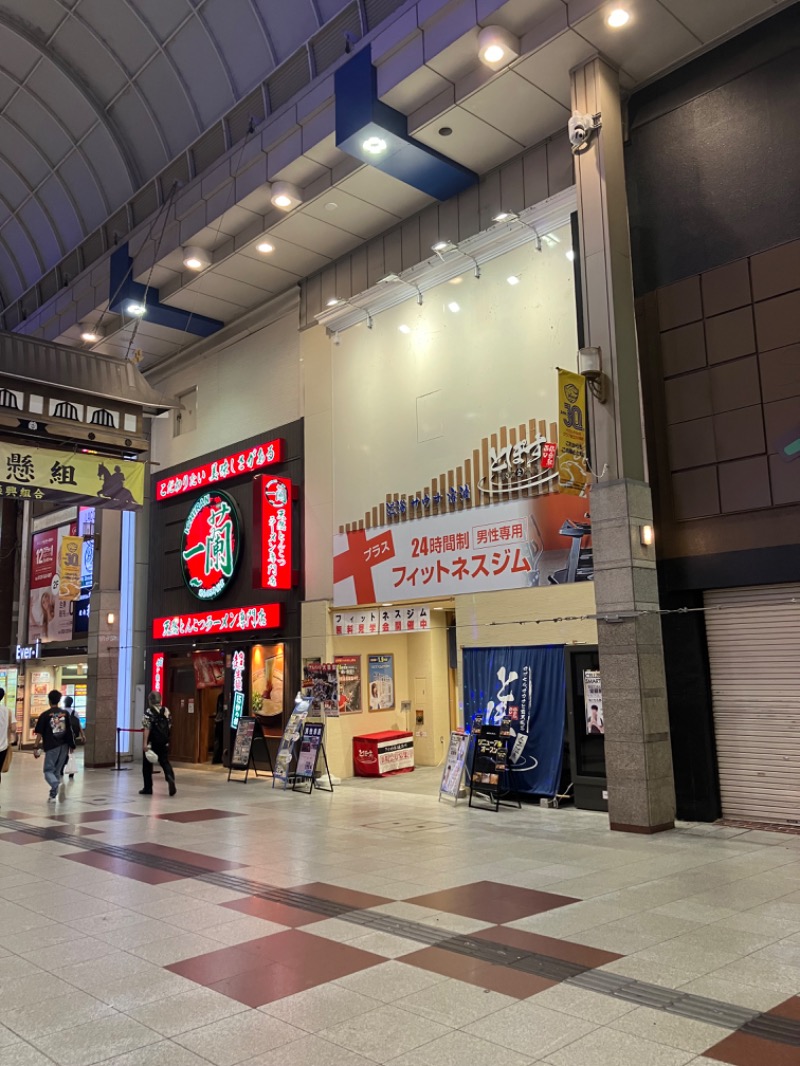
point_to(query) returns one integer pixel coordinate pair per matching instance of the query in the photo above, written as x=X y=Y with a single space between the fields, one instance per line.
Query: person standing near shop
x=54 y=732
x=78 y=735
x=8 y=732
x=157 y=723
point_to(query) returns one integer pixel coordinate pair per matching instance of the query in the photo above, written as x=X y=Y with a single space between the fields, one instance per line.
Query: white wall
x=244 y=387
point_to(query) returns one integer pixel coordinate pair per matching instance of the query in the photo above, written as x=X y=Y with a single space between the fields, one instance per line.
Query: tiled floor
x=236 y=924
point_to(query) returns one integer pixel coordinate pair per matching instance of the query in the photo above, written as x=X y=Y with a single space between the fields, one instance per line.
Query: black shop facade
x=225 y=588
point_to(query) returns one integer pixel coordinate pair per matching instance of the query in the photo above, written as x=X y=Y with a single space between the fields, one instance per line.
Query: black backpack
x=159 y=725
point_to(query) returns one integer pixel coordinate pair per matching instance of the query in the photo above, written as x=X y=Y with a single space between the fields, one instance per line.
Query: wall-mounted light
x=195 y=258
x=590 y=366
x=135 y=309
x=285 y=196
x=111 y=618
x=646 y=536
x=333 y=302
x=497 y=47
x=92 y=334
x=442 y=246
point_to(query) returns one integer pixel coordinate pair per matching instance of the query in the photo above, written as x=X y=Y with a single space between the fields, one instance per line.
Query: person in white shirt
x=8 y=729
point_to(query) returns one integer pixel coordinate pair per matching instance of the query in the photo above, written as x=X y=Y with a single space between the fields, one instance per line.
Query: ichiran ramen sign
x=211 y=545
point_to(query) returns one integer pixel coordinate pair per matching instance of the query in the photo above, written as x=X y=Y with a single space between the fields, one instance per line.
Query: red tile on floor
x=488 y=901
x=54 y=832
x=265 y=985
x=476 y=972
x=219 y=965
x=15 y=815
x=273 y=912
x=207 y=814
x=94 y=816
x=740 y=1049
x=790 y=1008
x=548 y=945
x=191 y=858
x=348 y=897
x=125 y=869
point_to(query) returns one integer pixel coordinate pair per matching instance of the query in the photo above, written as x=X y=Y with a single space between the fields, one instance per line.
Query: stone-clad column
x=103 y=659
x=641 y=794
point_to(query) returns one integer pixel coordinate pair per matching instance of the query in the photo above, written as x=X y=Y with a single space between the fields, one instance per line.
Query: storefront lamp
x=590 y=366
x=111 y=618
x=646 y=536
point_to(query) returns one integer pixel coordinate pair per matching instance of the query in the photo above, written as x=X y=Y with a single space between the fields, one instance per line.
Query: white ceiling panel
x=349 y=213
x=260 y=273
x=710 y=20
x=313 y=234
x=303 y=171
x=326 y=152
x=384 y=191
x=473 y=142
x=203 y=304
x=458 y=59
x=422 y=85
x=290 y=257
x=549 y=67
x=519 y=109
x=211 y=283
x=520 y=15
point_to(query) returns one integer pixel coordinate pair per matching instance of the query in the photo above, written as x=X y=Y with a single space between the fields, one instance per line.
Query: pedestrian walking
x=54 y=733
x=8 y=733
x=157 y=723
x=78 y=735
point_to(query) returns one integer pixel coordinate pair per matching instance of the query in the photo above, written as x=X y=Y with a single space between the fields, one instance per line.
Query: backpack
x=159 y=725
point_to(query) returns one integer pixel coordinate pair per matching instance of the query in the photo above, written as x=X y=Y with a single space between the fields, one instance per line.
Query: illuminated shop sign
x=272 y=550
x=211 y=545
x=27 y=652
x=236 y=620
x=201 y=477
x=158 y=673
x=237 y=686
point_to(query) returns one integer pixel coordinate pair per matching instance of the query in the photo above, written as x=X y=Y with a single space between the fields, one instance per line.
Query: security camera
x=580 y=129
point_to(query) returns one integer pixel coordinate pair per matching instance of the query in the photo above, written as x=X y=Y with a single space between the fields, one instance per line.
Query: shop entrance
x=192 y=702
x=67 y=676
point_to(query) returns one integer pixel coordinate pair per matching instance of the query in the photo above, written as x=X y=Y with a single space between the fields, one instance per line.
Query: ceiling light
x=92 y=334
x=513 y=280
x=285 y=196
x=196 y=258
x=617 y=18
x=497 y=47
x=441 y=246
x=333 y=302
x=387 y=605
x=404 y=328
x=374 y=145
x=136 y=309
x=454 y=307
x=265 y=247
x=504 y=216
x=570 y=255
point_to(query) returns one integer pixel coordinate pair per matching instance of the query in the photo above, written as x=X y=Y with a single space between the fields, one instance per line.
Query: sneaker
x=51 y=798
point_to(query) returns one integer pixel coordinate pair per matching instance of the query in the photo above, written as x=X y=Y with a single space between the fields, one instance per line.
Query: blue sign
x=527 y=685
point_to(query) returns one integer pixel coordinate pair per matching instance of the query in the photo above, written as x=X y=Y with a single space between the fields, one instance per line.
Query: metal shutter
x=754 y=651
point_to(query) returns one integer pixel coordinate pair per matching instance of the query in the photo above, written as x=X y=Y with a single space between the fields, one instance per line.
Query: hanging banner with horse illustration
x=41 y=474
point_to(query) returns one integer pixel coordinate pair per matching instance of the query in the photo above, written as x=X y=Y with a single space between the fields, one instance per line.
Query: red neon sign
x=272 y=550
x=158 y=673
x=211 y=545
x=200 y=477
x=235 y=620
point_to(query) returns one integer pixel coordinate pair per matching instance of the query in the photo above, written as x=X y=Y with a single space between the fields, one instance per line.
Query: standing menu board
x=291 y=735
x=454 y=765
x=309 y=749
x=243 y=744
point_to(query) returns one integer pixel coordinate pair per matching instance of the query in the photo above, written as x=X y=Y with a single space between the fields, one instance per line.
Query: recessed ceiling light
x=265 y=247
x=92 y=334
x=617 y=18
x=404 y=328
x=497 y=47
x=136 y=309
x=513 y=280
x=374 y=145
x=331 y=206
x=570 y=255
x=285 y=196
x=454 y=307
x=196 y=258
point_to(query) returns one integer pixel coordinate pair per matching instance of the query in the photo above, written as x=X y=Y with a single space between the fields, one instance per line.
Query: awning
x=40 y=362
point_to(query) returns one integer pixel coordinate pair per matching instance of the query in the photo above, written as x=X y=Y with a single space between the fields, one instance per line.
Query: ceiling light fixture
x=285 y=196
x=92 y=334
x=404 y=328
x=497 y=47
x=374 y=145
x=504 y=216
x=513 y=279
x=333 y=302
x=265 y=247
x=454 y=307
x=442 y=246
x=196 y=258
x=570 y=255
x=617 y=18
x=136 y=309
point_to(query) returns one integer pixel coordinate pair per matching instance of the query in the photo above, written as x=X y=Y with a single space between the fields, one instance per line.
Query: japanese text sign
x=571 y=433
x=381 y=621
x=211 y=545
x=230 y=466
x=42 y=473
x=70 y=558
x=272 y=546
x=236 y=620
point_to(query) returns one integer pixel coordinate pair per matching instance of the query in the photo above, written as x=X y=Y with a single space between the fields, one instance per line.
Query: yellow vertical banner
x=69 y=568
x=572 y=473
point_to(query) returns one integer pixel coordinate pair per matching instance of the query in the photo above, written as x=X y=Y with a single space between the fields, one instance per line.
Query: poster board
x=454 y=766
x=348 y=670
x=380 y=679
x=321 y=688
x=310 y=743
x=291 y=735
x=243 y=744
x=593 y=699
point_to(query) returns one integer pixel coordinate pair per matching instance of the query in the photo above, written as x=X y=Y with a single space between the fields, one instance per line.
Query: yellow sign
x=69 y=568
x=42 y=473
x=572 y=472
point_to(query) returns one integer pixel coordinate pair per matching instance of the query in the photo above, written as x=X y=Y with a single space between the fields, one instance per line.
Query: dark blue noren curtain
x=534 y=699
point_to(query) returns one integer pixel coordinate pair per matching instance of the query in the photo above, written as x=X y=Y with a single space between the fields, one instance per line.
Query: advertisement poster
x=42 y=474
x=209 y=669
x=70 y=560
x=454 y=765
x=380 y=675
x=489 y=761
x=49 y=617
x=527 y=686
x=291 y=735
x=593 y=696
x=243 y=745
x=310 y=743
x=572 y=473
x=348 y=670
x=321 y=688
x=266 y=680
x=515 y=544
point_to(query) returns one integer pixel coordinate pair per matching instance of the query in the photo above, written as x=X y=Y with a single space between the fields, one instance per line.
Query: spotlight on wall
x=333 y=302
x=92 y=334
x=135 y=309
x=497 y=47
x=646 y=536
x=590 y=366
x=195 y=258
x=111 y=618
x=285 y=196
x=504 y=216
x=570 y=255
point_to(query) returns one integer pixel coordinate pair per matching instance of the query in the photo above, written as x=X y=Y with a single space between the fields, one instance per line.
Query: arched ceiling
x=98 y=96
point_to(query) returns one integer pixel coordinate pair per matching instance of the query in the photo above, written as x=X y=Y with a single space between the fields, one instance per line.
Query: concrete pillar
x=103 y=658
x=641 y=793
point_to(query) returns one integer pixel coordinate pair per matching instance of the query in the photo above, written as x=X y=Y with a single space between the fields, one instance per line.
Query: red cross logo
x=357 y=562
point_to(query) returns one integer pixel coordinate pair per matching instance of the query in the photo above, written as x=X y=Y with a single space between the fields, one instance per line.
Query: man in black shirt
x=54 y=733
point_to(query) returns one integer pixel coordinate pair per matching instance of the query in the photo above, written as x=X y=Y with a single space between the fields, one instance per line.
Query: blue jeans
x=54 y=763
